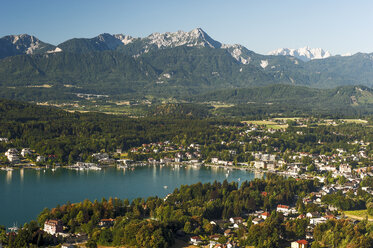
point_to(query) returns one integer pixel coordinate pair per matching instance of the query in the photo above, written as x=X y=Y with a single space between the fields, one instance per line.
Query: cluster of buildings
x=238 y=222
x=103 y=158
x=85 y=166
x=14 y=156
x=173 y=153
x=157 y=147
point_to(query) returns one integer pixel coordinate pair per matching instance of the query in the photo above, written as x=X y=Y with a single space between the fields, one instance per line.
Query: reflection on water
x=21 y=175
x=38 y=175
x=9 y=176
x=154 y=173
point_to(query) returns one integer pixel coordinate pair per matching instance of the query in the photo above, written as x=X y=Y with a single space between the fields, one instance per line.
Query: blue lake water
x=25 y=192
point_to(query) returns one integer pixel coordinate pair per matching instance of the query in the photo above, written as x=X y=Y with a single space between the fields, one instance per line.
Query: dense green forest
x=72 y=137
x=272 y=100
x=178 y=72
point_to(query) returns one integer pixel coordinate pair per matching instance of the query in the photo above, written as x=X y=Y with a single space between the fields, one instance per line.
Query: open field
x=357 y=121
x=222 y=105
x=39 y=86
x=287 y=118
x=278 y=126
x=358 y=215
x=108 y=109
x=262 y=122
x=338 y=121
x=268 y=124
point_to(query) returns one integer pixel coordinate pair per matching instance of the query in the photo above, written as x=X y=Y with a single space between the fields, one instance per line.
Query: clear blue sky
x=340 y=26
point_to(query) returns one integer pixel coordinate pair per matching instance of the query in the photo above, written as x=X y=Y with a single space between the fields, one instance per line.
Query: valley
x=183 y=138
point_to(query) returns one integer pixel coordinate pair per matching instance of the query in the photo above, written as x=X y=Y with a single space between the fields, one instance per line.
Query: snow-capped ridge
x=125 y=39
x=305 y=53
x=27 y=44
x=57 y=50
x=196 y=38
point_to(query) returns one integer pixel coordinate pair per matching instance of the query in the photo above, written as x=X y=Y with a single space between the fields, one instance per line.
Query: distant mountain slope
x=292 y=100
x=304 y=53
x=22 y=44
x=100 y=43
x=170 y=65
x=347 y=95
x=168 y=73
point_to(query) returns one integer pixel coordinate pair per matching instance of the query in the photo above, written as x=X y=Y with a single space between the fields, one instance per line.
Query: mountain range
x=179 y=65
x=26 y=44
x=305 y=53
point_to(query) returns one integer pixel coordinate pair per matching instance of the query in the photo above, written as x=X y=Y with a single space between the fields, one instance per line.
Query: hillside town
x=343 y=176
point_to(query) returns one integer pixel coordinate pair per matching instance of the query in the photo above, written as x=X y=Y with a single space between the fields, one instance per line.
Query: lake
x=24 y=193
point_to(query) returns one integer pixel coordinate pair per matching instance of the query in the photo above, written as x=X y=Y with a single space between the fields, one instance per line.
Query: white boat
x=166 y=187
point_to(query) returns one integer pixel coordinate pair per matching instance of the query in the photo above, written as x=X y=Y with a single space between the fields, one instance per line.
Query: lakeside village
x=342 y=175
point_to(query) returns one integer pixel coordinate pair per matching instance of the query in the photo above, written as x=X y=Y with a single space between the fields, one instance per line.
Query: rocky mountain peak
x=305 y=53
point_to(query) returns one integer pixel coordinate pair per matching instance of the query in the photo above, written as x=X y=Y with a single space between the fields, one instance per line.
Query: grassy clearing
x=287 y=118
x=108 y=109
x=217 y=106
x=263 y=122
x=278 y=126
x=358 y=214
x=268 y=124
x=40 y=86
x=357 y=121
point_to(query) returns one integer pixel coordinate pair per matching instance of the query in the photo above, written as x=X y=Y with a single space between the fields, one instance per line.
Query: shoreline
x=172 y=164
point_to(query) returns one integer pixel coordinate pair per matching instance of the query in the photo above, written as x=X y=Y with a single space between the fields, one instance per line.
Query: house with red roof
x=299 y=244
x=195 y=240
x=283 y=208
x=265 y=215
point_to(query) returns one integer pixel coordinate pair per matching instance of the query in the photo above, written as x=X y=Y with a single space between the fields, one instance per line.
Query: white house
x=214 y=160
x=260 y=165
x=283 y=209
x=12 y=155
x=13 y=158
x=271 y=166
x=236 y=220
x=312 y=215
x=68 y=246
x=344 y=168
x=256 y=221
x=195 y=240
x=11 y=151
x=265 y=215
x=299 y=244
x=53 y=226
x=40 y=158
x=316 y=221
x=25 y=152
